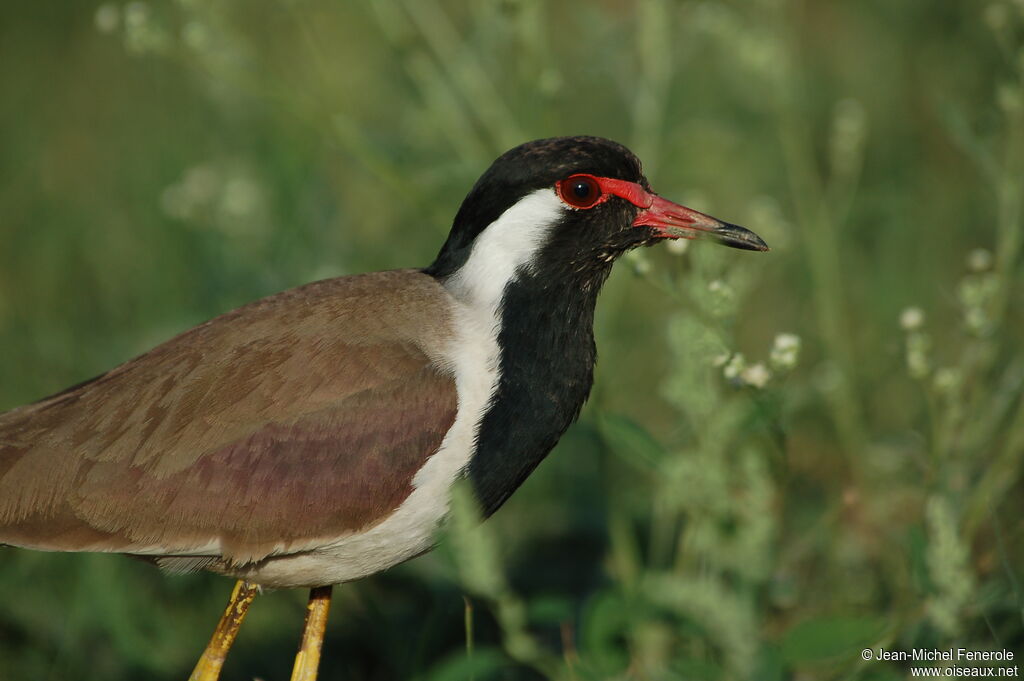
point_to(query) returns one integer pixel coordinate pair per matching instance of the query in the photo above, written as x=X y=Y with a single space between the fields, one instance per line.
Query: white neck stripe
x=503 y=248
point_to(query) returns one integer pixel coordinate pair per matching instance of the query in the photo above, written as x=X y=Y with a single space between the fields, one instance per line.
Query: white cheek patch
x=506 y=245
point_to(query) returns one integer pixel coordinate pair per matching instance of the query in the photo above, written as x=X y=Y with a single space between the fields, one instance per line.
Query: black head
x=600 y=206
x=530 y=247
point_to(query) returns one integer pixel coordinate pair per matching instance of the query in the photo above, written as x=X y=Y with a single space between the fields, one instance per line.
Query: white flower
x=785 y=342
x=756 y=375
x=785 y=351
x=677 y=246
x=912 y=318
x=734 y=366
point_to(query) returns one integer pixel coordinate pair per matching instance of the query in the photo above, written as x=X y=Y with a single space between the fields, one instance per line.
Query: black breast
x=547 y=366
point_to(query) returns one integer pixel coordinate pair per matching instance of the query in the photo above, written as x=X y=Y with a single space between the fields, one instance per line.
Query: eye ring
x=579 y=191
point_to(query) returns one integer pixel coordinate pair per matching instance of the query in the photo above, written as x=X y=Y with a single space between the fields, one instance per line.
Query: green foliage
x=480 y=665
x=788 y=457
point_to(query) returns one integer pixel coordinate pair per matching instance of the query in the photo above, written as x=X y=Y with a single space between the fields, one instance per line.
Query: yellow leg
x=209 y=665
x=307 y=660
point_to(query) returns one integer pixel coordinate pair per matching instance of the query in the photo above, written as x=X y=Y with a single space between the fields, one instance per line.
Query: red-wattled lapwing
x=312 y=437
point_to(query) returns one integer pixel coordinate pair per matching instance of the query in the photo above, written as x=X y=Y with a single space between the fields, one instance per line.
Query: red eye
x=579 y=191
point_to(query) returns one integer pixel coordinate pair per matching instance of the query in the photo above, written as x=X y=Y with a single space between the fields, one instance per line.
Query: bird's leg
x=209 y=665
x=307 y=660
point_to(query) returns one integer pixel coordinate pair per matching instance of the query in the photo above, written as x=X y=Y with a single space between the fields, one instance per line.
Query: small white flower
x=677 y=246
x=756 y=375
x=787 y=341
x=912 y=318
x=785 y=351
x=734 y=366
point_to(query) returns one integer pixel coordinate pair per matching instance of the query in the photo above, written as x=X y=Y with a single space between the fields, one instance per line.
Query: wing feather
x=300 y=417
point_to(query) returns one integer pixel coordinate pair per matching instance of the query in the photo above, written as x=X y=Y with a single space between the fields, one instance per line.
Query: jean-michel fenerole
x=950 y=655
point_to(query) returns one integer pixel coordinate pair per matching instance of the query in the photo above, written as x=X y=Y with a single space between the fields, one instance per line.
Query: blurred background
x=788 y=457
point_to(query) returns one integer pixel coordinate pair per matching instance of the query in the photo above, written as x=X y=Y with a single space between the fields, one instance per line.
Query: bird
x=312 y=437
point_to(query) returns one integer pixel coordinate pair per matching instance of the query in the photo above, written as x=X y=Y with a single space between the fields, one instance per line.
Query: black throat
x=547 y=365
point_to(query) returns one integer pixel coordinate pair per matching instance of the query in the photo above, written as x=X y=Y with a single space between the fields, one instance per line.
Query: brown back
x=299 y=417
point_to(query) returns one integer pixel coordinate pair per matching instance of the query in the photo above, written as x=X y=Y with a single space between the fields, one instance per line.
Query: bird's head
x=567 y=205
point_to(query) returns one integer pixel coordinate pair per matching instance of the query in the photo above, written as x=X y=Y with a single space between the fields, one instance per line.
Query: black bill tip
x=735 y=236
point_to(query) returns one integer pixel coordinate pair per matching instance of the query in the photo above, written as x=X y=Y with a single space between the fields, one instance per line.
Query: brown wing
x=301 y=416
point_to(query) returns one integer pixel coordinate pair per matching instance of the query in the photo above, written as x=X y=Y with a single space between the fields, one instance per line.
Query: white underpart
x=499 y=253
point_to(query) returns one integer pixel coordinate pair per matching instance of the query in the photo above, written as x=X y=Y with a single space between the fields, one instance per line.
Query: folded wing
x=295 y=419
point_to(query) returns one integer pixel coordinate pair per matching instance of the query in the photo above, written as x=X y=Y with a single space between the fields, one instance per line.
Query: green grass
x=706 y=519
